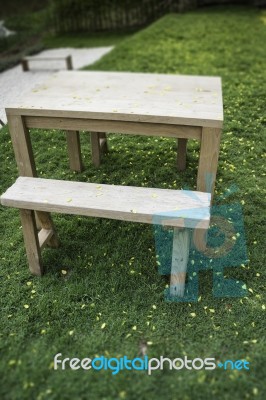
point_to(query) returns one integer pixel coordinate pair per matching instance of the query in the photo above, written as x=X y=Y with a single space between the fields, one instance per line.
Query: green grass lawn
x=102 y=294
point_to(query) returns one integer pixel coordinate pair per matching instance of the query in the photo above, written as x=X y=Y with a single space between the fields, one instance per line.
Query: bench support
x=98 y=146
x=48 y=225
x=180 y=253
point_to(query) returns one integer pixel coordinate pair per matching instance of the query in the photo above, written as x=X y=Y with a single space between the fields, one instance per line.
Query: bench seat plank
x=179 y=208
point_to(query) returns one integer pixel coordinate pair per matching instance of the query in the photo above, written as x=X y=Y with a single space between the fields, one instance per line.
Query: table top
x=126 y=96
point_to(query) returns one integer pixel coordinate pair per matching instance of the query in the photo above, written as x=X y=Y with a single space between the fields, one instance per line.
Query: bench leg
x=74 y=152
x=69 y=64
x=34 y=241
x=181 y=241
x=31 y=240
x=25 y=65
x=181 y=154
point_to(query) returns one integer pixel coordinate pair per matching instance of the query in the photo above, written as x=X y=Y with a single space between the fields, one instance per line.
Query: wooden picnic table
x=176 y=106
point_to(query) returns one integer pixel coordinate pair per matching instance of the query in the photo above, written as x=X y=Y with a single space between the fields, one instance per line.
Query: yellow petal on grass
x=26 y=306
x=28 y=283
x=193 y=315
x=134 y=328
x=212 y=310
x=63 y=271
x=263 y=306
x=154 y=307
x=70 y=333
x=103 y=325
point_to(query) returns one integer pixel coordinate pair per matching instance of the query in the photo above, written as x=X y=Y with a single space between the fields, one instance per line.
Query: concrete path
x=15 y=83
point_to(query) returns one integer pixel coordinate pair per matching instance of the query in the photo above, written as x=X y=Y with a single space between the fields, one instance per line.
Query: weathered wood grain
x=122 y=96
x=175 y=207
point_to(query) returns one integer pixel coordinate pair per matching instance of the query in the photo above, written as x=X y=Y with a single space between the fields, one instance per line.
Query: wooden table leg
x=181 y=154
x=21 y=142
x=199 y=239
x=103 y=142
x=31 y=241
x=95 y=149
x=208 y=162
x=181 y=242
x=74 y=152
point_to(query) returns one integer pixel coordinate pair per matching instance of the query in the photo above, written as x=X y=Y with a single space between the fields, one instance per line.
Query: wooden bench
x=25 y=61
x=184 y=211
